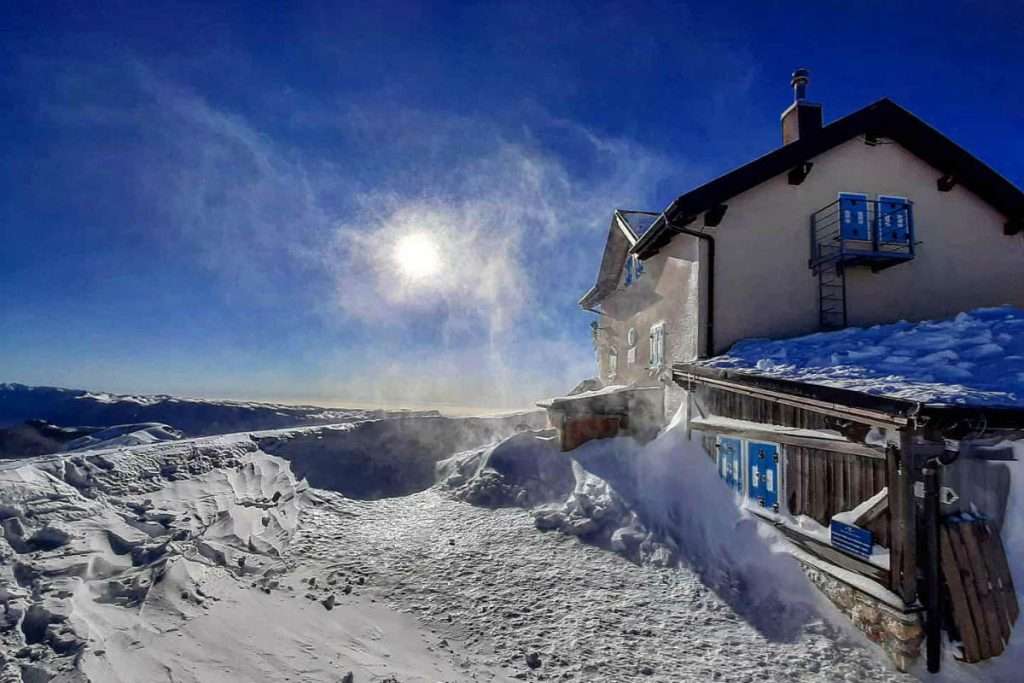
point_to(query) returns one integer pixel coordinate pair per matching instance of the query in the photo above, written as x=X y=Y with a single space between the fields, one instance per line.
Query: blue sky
x=204 y=200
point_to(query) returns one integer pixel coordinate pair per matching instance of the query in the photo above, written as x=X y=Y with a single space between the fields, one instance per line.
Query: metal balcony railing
x=854 y=230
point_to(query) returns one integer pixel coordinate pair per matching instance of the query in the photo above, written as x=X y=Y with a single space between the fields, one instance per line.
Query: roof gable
x=623 y=233
x=883 y=118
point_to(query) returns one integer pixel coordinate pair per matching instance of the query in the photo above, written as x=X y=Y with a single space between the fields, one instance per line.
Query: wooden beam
x=833 y=445
x=713 y=217
x=798 y=174
x=904 y=518
x=871 y=417
x=831 y=555
x=872 y=513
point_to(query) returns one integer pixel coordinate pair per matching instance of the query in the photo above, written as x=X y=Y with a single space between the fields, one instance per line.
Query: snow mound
x=660 y=504
x=976 y=358
x=386 y=458
x=525 y=469
x=125 y=435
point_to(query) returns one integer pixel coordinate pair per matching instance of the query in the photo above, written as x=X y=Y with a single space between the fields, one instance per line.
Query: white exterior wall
x=668 y=292
x=763 y=287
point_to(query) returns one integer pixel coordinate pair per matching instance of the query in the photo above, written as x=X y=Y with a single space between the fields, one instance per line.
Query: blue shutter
x=763 y=466
x=893 y=220
x=853 y=216
x=730 y=465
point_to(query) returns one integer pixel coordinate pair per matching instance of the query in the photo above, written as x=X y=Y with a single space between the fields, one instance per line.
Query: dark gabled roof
x=625 y=228
x=882 y=119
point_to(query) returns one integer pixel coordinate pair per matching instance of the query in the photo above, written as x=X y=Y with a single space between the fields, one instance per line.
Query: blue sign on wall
x=852 y=539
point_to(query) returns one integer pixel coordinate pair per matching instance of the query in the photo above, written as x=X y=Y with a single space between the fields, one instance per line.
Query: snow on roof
x=976 y=358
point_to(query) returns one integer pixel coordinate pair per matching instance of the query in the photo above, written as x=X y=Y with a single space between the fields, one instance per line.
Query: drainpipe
x=709 y=337
x=933 y=606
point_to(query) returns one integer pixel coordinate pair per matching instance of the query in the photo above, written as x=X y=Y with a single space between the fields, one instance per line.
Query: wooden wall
x=818 y=483
x=821 y=483
x=741 y=407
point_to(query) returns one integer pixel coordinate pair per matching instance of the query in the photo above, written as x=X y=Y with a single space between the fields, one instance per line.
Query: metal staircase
x=856 y=231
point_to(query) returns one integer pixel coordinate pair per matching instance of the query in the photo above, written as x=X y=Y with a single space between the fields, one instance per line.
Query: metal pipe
x=933 y=606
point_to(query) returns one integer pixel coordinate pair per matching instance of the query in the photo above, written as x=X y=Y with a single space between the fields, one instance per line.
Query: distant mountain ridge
x=30 y=417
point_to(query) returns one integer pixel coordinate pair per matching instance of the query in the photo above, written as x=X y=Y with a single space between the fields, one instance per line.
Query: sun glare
x=417 y=256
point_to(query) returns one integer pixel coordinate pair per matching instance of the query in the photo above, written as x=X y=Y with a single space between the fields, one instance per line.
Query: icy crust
x=705 y=597
x=976 y=358
x=128 y=530
x=166 y=561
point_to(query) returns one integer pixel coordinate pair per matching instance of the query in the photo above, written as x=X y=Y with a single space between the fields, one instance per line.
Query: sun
x=417 y=256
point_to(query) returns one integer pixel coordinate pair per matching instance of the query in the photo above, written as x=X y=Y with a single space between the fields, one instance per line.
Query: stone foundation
x=899 y=634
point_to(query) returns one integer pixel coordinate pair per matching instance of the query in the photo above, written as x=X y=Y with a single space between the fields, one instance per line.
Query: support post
x=903 y=518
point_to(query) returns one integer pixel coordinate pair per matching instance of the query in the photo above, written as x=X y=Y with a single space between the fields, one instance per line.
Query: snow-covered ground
x=306 y=554
x=975 y=358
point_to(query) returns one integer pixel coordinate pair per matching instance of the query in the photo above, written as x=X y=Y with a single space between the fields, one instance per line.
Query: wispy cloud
x=518 y=213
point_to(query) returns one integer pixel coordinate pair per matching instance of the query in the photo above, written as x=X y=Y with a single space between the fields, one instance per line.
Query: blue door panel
x=853 y=216
x=763 y=468
x=893 y=220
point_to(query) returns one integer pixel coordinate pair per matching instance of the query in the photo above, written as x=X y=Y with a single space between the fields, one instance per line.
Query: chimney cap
x=801 y=77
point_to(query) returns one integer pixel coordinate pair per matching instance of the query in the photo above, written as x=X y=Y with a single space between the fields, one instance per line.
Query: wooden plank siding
x=741 y=407
x=821 y=483
x=984 y=603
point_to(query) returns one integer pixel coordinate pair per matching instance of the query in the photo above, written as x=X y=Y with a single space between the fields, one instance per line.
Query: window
x=631 y=343
x=613 y=363
x=657 y=345
x=634 y=269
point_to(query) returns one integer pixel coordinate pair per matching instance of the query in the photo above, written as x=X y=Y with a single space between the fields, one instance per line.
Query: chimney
x=802 y=119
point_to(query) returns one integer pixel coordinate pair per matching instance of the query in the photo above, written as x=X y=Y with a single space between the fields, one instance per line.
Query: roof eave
x=883 y=117
x=898 y=411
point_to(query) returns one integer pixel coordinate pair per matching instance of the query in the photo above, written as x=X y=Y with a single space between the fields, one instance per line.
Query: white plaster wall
x=669 y=292
x=765 y=289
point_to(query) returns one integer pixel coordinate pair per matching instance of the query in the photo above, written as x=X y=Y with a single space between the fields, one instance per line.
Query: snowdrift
x=976 y=358
x=102 y=547
x=384 y=458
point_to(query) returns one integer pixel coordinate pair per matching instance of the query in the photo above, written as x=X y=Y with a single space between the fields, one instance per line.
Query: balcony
x=855 y=231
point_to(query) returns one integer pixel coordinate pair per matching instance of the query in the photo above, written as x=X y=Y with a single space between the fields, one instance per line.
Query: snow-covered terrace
x=973 y=359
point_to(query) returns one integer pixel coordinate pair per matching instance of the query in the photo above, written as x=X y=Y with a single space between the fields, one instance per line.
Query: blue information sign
x=852 y=539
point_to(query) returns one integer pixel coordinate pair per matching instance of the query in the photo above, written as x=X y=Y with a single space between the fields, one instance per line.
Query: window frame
x=656 y=339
